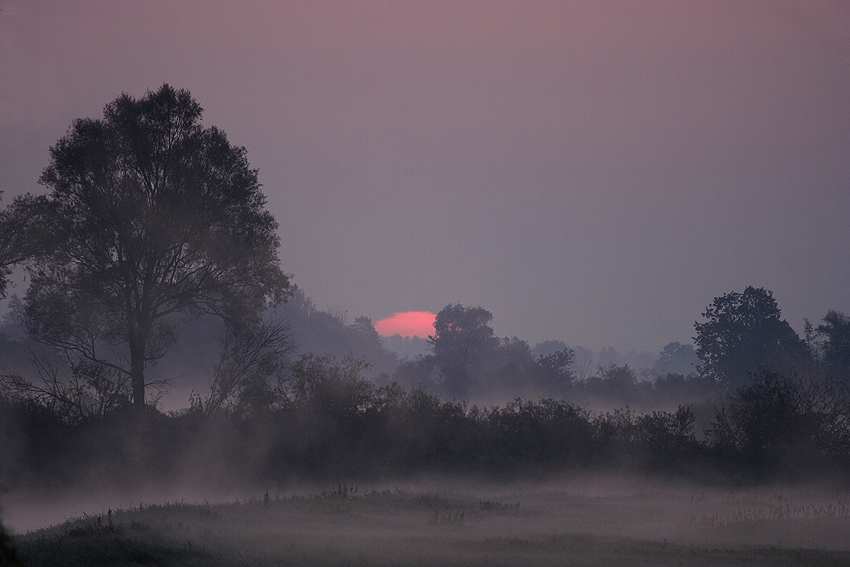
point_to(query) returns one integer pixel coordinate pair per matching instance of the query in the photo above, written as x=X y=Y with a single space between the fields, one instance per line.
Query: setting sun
x=407 y=324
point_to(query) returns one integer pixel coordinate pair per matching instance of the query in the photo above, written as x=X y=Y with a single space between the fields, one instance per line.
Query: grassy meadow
x=607 y=522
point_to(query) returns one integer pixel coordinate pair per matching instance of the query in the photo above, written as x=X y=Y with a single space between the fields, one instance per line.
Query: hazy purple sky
x=594 y=172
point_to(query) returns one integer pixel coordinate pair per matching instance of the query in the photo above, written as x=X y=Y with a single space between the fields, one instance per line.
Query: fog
x=588 y=519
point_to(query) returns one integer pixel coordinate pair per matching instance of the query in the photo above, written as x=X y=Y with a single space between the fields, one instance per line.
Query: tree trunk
x=137 y=370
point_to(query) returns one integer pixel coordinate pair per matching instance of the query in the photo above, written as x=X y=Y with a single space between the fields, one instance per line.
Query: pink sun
x=407 y=324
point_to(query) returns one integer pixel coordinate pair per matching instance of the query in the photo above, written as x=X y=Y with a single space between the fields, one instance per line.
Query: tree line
x=328 y=423
x=152 y=218
x=741 y=335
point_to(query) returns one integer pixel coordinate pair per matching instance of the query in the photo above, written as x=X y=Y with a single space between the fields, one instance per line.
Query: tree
x=676 y=358
x=509 y=368
x=366 y=337
x=462 y=337
x=74 y=390
x=150 y=214
x=15 y=247
x=778 y=421
x=833 y=341
x=614 y=382
x=742 y=334
x=556 y=375
x=250 y=357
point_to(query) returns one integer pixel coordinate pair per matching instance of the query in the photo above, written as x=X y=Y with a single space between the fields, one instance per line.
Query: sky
x=592 y=172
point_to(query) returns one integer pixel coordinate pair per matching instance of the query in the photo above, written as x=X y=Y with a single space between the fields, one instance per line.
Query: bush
x=8 y=553
x=781 y=425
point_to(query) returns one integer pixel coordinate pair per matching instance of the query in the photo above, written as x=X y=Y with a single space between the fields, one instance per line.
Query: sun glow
x=407 y=324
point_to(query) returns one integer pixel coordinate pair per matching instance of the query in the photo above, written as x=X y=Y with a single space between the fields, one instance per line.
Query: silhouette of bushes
x=329 y=423
x=780 y=425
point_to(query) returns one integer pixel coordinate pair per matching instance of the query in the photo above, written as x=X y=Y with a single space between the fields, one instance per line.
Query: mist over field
x=598 y=520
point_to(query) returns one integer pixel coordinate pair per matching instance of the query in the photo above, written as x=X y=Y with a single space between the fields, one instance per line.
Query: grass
x=553 y=525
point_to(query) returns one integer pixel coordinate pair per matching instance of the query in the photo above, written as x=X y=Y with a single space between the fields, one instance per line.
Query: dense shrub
x=780 y=425
x=328 y=423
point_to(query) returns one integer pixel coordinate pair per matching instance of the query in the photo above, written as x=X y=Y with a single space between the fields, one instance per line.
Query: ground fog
x=583 y=520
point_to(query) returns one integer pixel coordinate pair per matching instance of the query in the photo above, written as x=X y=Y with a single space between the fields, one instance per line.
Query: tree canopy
x=743 y=334
x=16 y=223
x=462 y=336
x=676 y=358
x=150 y=214
x=833 y=338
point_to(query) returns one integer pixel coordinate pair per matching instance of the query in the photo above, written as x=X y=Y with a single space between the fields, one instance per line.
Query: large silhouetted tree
x=742 y=335
x=150 y=214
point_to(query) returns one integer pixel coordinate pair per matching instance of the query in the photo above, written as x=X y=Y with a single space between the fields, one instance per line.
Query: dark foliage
x=780 y=425
x=468 y=361
x=113 y=548
x=8 y=552
x=832 y=345
x=330 y=332
x=743 y=334
x=16 y=222
x=462 y=340
x=328 y=423
x=252 y=358
x=149 y=214
x=676 y=358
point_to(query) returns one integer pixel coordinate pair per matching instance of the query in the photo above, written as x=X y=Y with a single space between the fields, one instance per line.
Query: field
x=598 y=522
